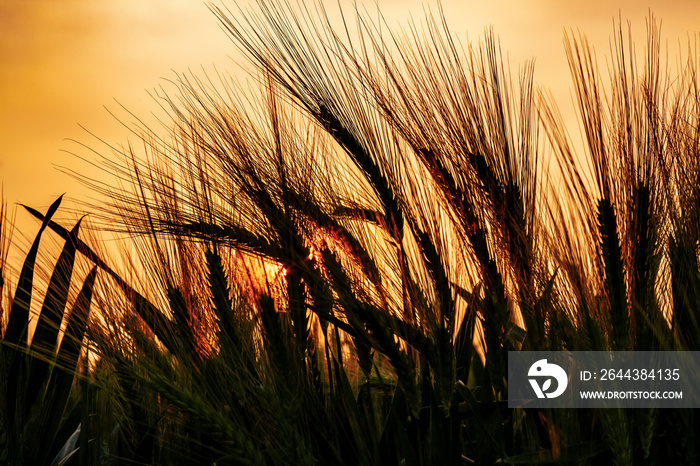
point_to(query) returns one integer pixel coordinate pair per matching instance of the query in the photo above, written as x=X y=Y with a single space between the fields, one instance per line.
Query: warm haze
x=333 y=264
x=62 y=65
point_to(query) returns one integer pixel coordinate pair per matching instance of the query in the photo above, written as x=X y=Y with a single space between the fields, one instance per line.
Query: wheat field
x=332 y=268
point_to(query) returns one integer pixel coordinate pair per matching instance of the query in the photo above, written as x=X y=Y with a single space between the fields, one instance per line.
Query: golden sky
x=62 y=62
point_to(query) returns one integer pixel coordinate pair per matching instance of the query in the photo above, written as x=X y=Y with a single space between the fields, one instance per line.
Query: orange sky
x=63 y=62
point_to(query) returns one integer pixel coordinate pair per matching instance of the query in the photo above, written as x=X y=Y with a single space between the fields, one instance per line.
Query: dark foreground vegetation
x=333 y=271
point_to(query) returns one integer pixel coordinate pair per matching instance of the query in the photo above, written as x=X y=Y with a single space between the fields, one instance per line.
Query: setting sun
x=366 y=233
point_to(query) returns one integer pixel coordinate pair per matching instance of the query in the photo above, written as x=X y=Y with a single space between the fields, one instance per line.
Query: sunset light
x=349 y=233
